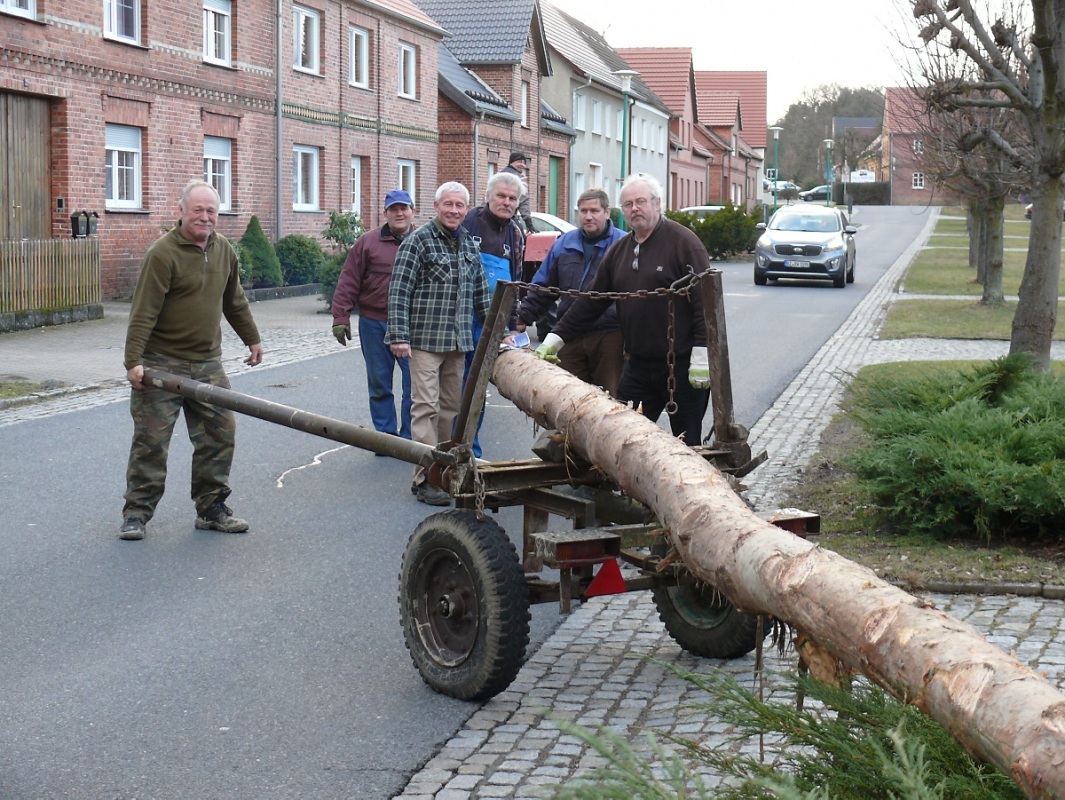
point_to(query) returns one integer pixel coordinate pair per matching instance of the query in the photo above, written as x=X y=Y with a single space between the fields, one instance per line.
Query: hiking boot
x=219 y=517
x=132 y=529
x=430 y=495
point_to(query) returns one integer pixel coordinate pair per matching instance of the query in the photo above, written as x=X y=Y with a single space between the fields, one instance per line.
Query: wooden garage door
x=24 y=167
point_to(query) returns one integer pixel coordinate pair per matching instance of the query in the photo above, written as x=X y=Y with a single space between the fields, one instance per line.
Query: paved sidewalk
x=591 y=669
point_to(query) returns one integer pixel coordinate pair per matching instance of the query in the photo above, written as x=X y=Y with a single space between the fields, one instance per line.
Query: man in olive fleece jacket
x=189 y=279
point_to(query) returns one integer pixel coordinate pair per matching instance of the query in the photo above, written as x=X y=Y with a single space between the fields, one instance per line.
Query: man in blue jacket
x=598 y=356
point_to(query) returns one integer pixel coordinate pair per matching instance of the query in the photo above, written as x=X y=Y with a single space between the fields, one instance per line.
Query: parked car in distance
x=702 y=212
x=817 y=193
x=546 y=229
x=809 y=242
x=780 y=186
x=547 y=223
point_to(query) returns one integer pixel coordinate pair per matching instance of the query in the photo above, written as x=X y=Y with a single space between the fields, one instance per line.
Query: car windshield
x=805 y=222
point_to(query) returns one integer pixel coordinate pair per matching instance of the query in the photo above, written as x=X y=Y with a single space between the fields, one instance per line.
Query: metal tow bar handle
x=333 y=429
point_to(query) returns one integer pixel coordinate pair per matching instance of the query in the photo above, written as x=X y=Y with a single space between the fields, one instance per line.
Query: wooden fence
x=49 y=274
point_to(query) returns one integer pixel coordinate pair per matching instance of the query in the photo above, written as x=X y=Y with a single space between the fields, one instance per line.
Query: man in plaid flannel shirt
x=438 y=285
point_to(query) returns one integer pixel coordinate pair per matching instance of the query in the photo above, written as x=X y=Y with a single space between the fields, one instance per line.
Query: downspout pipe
x=478 y=118
x=278 y=101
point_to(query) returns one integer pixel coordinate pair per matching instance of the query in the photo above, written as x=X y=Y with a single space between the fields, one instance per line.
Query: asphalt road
x=204 y=665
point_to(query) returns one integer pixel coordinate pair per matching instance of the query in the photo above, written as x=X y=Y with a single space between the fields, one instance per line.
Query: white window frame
x=305 y=161
x=578 y=111
x=306 y=40
x=218 y=32
x=407 y=176
x=525 y=91
x=113 y=28
x=358 y=57
x=356 y=184
x=123 y=145
x=619 y=124
x=20 y=8
x=218 y=168
x=595 y=175
x=917 y=182
x=597 y=118
x=918 y=147
x=408 y=71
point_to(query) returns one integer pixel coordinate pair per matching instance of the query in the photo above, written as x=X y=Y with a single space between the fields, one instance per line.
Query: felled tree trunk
x=1000 y=710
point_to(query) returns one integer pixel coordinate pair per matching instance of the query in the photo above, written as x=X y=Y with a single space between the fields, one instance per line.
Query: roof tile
x=752 y=88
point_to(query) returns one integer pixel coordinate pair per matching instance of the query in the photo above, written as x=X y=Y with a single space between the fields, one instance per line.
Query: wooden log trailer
x=465 y=592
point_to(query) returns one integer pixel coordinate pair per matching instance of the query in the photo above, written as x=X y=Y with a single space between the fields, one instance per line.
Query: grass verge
x=955 y=319
x=852 y=526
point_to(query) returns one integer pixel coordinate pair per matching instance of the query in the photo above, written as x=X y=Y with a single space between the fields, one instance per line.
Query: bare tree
x=1017 y=62
x=958 y=156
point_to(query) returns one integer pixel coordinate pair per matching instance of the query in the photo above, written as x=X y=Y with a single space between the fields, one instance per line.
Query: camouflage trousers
x=212 y=432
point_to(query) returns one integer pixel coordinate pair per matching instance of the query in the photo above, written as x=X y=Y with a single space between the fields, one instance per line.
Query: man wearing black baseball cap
x=517 y=165
x=363 y=285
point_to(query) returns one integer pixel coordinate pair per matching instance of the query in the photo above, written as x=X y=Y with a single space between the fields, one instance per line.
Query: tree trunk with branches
x=999 y=709
x=1016 y=65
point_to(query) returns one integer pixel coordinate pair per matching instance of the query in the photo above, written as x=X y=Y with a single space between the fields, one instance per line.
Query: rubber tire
x=760 y=278
x=703 y=622
x=477 y=654
x=850 y=274
x=840 y=281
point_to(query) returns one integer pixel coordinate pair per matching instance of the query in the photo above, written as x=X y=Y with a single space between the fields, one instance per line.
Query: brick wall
x=176 y=98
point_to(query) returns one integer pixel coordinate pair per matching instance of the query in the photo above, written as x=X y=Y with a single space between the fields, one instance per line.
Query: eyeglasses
x=636 y=256
x=639 y=202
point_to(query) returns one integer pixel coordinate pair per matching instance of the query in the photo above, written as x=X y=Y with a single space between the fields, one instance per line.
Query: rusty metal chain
x=681 y=287
x=478 y=489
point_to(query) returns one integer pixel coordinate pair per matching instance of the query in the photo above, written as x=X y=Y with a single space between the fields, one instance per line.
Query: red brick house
x=736 y=174
x=113 y=105
x=495 y=108
x=901 y=147
x=669 y=73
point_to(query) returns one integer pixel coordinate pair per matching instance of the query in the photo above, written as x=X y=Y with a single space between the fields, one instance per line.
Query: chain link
x=478 y=489
x=682 y=287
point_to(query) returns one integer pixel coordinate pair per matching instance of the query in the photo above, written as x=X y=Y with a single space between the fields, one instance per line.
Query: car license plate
x=797 y=264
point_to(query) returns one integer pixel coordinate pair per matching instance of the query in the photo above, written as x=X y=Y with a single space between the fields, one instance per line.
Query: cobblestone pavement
x=592 y=670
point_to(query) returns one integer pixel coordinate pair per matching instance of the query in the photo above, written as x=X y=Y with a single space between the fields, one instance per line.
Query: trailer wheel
x=464 y=605
x=703 y=621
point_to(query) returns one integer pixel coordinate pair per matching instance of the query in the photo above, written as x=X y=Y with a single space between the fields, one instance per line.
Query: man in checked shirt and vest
x=438 y=285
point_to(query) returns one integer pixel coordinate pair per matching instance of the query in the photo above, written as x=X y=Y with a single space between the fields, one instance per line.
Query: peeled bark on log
x=998 y=709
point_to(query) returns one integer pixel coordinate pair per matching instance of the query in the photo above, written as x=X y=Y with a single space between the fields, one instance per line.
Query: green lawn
x=943 y=267
x=954 y=319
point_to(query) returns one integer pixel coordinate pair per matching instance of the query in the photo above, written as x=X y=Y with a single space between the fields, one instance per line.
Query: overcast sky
x=801 y=44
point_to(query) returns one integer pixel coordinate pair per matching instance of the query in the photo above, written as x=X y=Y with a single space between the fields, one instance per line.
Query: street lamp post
x=626 y=76
x=776 y=129
x=828 y=171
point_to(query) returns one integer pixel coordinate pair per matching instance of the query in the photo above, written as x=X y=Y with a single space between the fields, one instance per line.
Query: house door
x=553 y=169
x=26 y=211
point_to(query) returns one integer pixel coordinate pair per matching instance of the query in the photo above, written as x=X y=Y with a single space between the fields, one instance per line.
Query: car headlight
x=762 y=260
x=833 y=263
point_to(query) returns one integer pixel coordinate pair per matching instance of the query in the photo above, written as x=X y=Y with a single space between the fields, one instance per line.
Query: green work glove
x=343 y=334
x=699 y=369
x=547 y=350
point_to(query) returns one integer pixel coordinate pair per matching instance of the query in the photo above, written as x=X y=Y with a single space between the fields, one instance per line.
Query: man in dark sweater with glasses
x=657 y=253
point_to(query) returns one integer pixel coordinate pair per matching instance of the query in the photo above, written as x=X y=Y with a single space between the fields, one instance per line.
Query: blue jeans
x=380 y=369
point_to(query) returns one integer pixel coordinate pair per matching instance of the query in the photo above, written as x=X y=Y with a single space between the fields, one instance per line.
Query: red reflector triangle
x=607 y=581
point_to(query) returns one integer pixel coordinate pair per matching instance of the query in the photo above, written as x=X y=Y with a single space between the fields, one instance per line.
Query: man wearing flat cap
x=363 y=285
x=517 y=166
